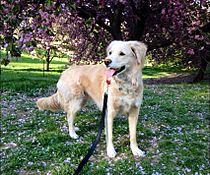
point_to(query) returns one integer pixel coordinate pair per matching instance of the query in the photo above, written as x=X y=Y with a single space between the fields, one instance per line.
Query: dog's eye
x=110 y=52
x=122 y=54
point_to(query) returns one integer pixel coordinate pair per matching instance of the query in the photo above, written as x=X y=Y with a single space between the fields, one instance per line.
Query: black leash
x=96 y=141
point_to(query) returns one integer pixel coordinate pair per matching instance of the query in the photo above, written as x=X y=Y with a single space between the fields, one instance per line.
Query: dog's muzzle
x=114 y=71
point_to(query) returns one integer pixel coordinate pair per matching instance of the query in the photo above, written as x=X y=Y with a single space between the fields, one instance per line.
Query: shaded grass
x=160 y=71
x=172 y=129
x=26 y=74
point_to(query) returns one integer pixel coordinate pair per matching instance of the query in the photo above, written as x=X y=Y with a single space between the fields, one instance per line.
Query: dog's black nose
x=107 y=62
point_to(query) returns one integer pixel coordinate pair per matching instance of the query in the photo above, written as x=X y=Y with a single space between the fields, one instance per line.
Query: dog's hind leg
x=73 y=107
x=70 y=118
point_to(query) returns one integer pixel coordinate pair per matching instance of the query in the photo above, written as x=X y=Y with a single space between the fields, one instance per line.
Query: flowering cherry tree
x=175 y=30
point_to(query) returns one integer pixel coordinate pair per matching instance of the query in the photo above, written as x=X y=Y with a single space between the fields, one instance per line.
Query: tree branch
x=85 y=13
x=115 y=22
x=158 y=44
x=206 y=28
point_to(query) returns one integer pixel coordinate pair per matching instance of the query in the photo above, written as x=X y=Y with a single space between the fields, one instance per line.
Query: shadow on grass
x=26 y=58
x=27 y=81
x=8 y=74
x=172 y=79
x=151 y=75
x=34 y=70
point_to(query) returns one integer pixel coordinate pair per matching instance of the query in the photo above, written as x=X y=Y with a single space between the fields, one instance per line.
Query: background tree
x=12 y=13
x=175 y=30
x=43 y=34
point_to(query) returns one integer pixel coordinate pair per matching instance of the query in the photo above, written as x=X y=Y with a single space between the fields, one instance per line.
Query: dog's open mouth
x=114 y=71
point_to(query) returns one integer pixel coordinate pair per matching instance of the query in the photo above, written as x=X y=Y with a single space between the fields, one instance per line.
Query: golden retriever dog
x=120 y=77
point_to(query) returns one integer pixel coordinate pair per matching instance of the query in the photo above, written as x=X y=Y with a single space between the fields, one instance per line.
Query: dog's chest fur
x=124 y=96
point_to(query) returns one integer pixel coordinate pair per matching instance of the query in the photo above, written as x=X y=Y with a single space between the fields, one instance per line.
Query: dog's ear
x=139 y=49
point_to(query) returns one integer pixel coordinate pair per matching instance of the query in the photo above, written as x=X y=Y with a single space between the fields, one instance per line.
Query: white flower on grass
x=67 y=143
x=10 y=145
x=49 y=173
x=67 y=160
x=30 y=163
x=156 y=173
x=141 y=169
x=44 y=163
x=187 y=170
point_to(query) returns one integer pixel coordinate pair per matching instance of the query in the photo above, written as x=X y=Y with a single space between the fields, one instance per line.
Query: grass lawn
x=173 y=128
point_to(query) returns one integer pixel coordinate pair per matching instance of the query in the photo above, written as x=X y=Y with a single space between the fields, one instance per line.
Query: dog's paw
x=111 y=152
x=137 y=152
x=73 y=135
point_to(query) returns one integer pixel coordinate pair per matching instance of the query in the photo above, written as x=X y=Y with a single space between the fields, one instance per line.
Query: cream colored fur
x=80 y=83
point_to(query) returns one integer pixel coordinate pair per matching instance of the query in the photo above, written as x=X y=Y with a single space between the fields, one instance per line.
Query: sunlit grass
x=26 y=62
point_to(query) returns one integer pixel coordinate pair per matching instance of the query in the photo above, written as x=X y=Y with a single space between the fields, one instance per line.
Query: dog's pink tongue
x=110 y=72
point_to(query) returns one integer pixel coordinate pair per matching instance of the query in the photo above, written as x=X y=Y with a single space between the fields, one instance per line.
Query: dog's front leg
x=133 y=119
x=109 y=129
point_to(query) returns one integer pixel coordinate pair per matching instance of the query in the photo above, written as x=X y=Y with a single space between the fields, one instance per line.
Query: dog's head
x=123 y=55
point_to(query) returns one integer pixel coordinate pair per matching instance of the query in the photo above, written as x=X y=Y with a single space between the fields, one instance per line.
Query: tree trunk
x=136 y=29
x=115 y=23
x=137 y=24
x=201 y=71
x=48 y=66
x=48 y=61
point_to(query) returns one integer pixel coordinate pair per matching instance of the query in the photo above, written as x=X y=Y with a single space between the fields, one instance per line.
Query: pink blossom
x=199 y=38
x=163 y=12
x=191 y=52
x=196 y=23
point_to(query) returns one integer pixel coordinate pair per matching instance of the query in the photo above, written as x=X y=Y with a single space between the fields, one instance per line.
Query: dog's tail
x=49 y=103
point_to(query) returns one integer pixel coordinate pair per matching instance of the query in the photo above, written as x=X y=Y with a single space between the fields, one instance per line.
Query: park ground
x=173 y=126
